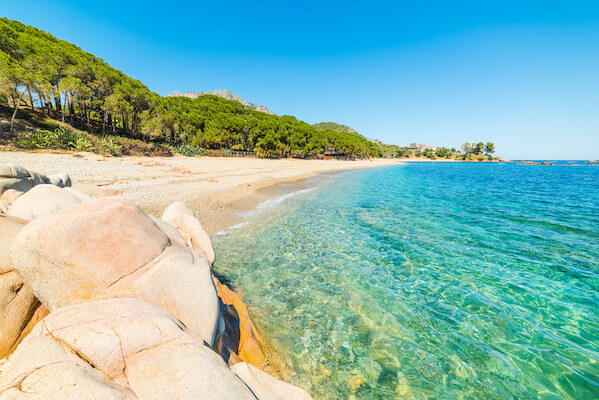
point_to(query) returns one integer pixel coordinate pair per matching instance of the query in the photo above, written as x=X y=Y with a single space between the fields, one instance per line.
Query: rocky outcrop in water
x=101 y=300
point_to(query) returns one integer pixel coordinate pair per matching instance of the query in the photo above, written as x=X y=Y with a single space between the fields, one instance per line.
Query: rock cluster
x=528 y=163
x=101 y=300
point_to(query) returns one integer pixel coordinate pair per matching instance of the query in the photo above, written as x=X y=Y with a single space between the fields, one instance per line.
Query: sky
x=521 y=74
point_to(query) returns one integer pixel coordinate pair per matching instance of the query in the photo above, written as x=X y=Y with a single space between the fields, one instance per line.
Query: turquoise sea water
x=430 y=281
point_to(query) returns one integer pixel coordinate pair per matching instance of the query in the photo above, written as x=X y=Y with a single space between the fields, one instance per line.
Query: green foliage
x=404 y=152
x=188 y=150
x=444 y=152
x=216 y=123
x=34 y=140
x=467 y=148
x=111 y=145
x=60 y=138
x=168 y=147
x=226 y=152
x=478 y=148
x=77 y=86
x=83 y=144
x=392 y=150
x=64 y=79
x=333 y=126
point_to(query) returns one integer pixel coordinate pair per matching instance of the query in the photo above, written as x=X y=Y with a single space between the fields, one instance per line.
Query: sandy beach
x=214 y=187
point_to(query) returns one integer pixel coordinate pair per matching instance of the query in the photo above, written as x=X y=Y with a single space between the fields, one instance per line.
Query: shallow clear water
x=430 y=280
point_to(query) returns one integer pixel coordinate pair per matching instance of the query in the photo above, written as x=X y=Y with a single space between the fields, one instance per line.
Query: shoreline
x=216 y=188
x=232 y=187
x=271 y=191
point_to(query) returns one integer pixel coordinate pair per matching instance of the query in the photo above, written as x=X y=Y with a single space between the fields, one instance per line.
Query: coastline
x=218 y=189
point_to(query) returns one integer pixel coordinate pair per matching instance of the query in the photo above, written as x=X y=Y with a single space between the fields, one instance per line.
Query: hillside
x=323 y=126
x=225 y=94
x=57 y=80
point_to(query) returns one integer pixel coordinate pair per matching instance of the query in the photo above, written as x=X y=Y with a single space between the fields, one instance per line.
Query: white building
x=422 y=147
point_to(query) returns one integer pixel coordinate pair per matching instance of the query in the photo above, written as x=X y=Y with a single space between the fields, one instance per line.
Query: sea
x=429 y=281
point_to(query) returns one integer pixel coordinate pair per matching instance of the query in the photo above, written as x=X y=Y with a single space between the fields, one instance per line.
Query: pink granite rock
x=110 y=248
x=184 y=219
x=116 y=349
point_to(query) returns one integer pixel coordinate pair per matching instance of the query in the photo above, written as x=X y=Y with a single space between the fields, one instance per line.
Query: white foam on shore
x=263 y=208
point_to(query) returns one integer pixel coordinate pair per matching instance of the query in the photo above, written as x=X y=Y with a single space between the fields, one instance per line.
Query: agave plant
x=111 y=145
x=189 y=150
x=83 y=144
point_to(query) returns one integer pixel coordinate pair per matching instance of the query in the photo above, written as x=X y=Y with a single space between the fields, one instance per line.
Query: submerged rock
x=116 y=349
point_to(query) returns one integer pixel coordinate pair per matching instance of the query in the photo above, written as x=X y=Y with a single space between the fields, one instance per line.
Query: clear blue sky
x=522 y=74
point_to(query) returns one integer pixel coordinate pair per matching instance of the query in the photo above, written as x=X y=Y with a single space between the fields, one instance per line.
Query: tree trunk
x=89 y=113
x=39 y=95
x=30 y=98
x=14 y=113
x=71 y=109
x=80 y=112
x=48 y=104
x=57 y=101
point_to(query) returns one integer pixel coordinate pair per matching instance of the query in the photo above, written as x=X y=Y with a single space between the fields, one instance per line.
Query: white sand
x=210 y=187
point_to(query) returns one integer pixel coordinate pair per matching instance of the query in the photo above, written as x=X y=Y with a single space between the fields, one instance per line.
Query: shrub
x=60 y=138
x=188 y=150
x=33 y=140
x=112 y=146
x=168 y=147
x=83 y=144
x=226 y=152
